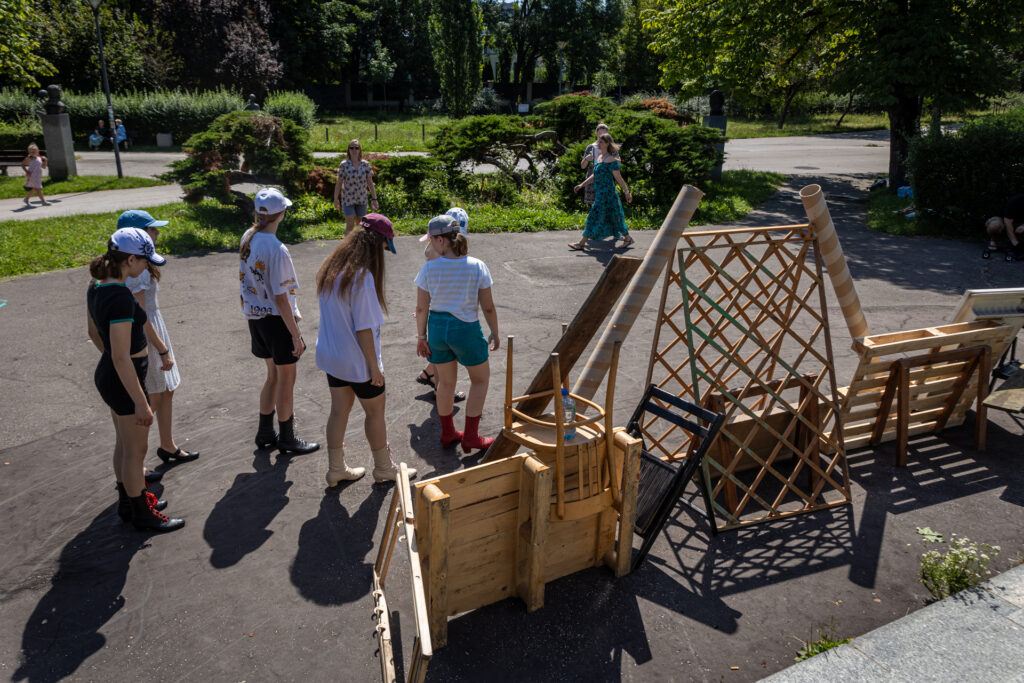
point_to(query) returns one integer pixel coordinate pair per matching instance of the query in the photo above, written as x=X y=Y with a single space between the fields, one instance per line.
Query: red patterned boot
x=449 y=437
x=472 y=441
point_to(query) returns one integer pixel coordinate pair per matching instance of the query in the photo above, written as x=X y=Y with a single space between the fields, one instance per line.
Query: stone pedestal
x=716 y=121
x=60 y=150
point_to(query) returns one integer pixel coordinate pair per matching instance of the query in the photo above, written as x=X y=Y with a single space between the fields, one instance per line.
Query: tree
x=19 y=62
x=380 y=67
x=894 y=52
x=456 y=42
x=314 y=38
x=229 y=46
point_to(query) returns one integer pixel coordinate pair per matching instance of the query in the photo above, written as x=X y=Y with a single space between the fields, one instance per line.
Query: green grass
x=68 y=241
x=14 y=186
x=395 y=132
x=816 y=124
x=882 y=216
x=826 y=641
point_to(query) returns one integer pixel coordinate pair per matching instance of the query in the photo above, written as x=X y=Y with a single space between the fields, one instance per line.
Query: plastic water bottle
x=569 y=408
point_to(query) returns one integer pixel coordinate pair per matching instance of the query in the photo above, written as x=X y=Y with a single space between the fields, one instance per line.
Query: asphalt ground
x=271 y=577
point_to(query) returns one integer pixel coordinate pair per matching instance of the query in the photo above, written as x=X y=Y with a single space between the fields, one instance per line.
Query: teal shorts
x=452 y=339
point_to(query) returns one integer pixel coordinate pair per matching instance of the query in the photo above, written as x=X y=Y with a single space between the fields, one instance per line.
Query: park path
x=841 y=153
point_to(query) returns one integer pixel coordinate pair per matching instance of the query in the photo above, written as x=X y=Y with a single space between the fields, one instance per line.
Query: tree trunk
x=791 y=91
x=849 y=105
x=935 y=127
x=904 y=116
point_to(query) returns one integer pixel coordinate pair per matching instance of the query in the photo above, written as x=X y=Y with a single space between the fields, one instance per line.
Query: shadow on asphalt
x=237 y=524
x=330 y=566
x=85 y=593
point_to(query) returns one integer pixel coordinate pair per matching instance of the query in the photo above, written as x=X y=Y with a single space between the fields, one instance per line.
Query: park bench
x=13 y=157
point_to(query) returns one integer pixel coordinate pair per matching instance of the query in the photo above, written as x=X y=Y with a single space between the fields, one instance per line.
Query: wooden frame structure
x=487 y=533
x=972 y=363
x=750 y=338
x=400 y=524
x=931 y=385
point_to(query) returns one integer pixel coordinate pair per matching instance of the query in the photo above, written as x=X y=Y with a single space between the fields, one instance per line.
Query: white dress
x=156 y=379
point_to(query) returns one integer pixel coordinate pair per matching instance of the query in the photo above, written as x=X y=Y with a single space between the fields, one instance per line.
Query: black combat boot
x=266 y=437
x=289 y=443
x=124 y=503
x=145 y=516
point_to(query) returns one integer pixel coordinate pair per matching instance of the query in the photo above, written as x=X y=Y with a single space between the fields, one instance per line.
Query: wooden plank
x=570 y=547
x=437 y=576
x=488 y=589
x=532 y=532
x=630 y=448
x=485 y=527
x=471 y=475
x=588 y=320
x=494 y=487
x=383 y=616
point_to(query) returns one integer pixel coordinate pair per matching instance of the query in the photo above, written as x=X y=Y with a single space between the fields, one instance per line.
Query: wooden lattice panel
x=749 y=337
x=930 y=385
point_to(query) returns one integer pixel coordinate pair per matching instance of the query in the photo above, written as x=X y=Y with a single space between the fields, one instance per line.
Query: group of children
x=136 y=374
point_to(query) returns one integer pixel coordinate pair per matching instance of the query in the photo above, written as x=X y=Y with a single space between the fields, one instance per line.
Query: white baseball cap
x=269 y=200
x=460 y=215
x=137 y=242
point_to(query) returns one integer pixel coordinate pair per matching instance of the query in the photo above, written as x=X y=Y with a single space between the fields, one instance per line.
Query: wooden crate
x=930 y=384
x=487 y=533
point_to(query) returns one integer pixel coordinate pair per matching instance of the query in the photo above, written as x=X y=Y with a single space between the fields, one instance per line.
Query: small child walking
x=33 y=166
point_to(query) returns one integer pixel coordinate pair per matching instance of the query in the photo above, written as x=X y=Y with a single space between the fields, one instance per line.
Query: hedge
x=179 y=112
x=18 y=135
x=962 y=178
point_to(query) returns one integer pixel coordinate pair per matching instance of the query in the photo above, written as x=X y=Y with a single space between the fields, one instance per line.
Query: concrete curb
x=977 y=634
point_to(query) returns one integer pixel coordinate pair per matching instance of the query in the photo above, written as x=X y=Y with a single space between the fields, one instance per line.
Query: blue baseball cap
x=137 y=218
x=135 y=241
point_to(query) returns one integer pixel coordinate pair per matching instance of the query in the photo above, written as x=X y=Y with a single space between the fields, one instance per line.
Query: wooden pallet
x=931 y=384
x=487 y=533
x=749 y=337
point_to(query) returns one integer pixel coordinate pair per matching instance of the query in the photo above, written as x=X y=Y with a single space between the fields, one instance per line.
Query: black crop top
x=114 y=303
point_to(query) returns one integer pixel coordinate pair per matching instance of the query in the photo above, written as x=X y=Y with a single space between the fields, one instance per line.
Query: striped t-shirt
x=453 y=285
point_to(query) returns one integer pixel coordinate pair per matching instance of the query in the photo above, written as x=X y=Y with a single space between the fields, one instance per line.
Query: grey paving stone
x=1008 y=586
x=1017 y=617
x=844 y=663
x=966 y=637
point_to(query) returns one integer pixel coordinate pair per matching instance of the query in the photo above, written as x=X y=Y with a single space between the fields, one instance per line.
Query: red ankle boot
x=449 y=437
x=472 y=441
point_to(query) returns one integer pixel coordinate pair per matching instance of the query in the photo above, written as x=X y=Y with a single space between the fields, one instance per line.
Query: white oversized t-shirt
x=454 y=284
x=337 y=350
x=264 y=270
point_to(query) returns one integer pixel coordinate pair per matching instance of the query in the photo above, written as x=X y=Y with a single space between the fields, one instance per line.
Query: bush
x=145 y=114
x=574 y=116
x=19 y=134
x=962 y=178
x=291 y=105
x=658 y=158
x=412 y=171
x=487 y=102
x=275 y=150
x=659 y=106
x=17 y=104
x=963 y=566
x=492 y=139
x=397 y=201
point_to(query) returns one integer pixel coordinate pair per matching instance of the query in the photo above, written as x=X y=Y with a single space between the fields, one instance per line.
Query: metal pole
x=106 y=90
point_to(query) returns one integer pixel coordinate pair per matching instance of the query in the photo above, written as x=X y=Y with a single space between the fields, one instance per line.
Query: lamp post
x=95 y=5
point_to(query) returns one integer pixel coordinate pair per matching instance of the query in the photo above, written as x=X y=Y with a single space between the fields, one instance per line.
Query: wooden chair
x=589 y=488
x=662 y=483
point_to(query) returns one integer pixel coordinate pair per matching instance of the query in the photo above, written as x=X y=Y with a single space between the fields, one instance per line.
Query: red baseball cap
x=381 y=225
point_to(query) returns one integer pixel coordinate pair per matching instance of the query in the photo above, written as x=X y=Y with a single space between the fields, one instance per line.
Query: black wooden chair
x=662 y=483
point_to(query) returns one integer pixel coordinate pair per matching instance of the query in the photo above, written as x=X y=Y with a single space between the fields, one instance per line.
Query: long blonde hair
x=348 y=151
x=262 y=221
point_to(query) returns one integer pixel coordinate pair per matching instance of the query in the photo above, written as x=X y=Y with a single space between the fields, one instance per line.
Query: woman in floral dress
x=355 y=181
x=606 y=218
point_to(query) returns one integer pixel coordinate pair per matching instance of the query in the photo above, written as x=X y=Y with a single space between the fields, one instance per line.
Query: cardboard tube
x=662 y=249
x=832 y=255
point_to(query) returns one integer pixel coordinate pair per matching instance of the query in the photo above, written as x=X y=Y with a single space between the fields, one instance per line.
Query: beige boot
x=337 y=470
x=384 y=467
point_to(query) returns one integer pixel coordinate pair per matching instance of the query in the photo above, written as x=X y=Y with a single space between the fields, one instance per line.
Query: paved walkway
x=975 y=635
x=78 y=203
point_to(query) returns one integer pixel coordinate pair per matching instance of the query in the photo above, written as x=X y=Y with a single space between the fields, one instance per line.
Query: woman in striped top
x=452 y=289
